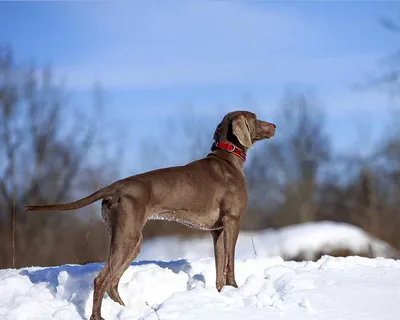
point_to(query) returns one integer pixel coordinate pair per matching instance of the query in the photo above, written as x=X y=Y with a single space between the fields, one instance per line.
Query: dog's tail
x=100 y=194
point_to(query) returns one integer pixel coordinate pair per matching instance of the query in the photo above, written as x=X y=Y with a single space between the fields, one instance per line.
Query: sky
x=153 y=59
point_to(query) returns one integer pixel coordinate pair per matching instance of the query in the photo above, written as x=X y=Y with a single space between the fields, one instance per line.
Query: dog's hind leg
x=113 y=289
x=126 y=229
x=120 y=253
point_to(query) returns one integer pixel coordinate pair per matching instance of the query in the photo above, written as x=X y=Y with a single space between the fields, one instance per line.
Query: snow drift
x=306 y=241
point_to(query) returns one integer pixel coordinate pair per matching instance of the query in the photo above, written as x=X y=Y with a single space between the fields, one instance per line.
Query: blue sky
x=155 y=58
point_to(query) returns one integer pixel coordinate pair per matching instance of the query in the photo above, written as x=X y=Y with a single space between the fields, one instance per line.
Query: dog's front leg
x=231 y=232
x=218 y=236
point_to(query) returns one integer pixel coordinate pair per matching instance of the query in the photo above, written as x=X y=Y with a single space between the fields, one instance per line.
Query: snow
x=307 y=239
x=271 y=288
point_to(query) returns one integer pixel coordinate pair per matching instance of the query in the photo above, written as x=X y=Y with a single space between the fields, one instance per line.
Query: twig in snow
x=154 y=309
x=86 y=239
x=14 y=223
x=254 y=247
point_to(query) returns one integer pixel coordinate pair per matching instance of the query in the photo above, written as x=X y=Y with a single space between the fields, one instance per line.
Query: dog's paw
x=219 y=286
x=231 y=283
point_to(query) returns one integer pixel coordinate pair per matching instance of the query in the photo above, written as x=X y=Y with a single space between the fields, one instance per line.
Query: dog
x=208 y=194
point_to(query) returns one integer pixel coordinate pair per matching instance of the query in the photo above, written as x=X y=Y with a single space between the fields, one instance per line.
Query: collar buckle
x=230 y=148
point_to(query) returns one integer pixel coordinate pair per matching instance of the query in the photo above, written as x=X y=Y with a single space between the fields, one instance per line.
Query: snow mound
x=308 y=241
x=269 y=288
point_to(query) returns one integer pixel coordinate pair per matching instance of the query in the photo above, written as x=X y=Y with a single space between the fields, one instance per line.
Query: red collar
x=227 y=146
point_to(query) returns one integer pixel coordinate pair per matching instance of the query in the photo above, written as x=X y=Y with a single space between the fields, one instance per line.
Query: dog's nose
x=274 y=125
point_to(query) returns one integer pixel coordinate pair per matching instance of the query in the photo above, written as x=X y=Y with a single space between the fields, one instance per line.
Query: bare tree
x=44 y=143
x=379 y=172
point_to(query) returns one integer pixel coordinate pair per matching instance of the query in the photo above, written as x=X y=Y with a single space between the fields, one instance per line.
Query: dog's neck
x=228 y=150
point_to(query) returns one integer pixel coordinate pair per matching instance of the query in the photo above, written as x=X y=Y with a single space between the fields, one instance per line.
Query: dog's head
x=243 y=129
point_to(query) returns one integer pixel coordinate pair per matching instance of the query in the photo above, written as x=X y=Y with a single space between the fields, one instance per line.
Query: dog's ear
x=240 y=128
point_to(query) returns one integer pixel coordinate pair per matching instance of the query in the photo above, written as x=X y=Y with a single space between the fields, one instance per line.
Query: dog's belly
x=202 y=221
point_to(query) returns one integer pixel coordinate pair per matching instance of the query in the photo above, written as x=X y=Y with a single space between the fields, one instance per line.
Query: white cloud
x=280 y=69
